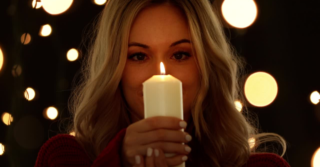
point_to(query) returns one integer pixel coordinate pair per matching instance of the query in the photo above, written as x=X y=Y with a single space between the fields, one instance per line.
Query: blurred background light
x=315 y=162
x=100 y=2
x=72 y=54
x=72 y=133
x=16 y=70
x=25 y=38
x=238 y=105
x=260 y=89
x=1 y=149
x=39 y=4
x=7 y=118
x=55 y=7
x=315 y=97
x=45 y=30
x=252 y=142
x=29 y=94
x=1 y=59
x=51 y=113
x=239 y=13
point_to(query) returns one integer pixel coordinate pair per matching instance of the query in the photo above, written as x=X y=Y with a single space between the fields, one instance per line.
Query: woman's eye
x=138 y=57
x=181 y=55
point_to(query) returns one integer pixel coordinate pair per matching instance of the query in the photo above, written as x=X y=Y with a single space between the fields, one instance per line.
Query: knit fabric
x=63 y=151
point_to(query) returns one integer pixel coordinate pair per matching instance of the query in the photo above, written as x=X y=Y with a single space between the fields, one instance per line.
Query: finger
x=157 y=122
x=149 y=158
x=139 y=161
x=160 y=160
x=162 y=135
x=176 y=160
x=167 y=147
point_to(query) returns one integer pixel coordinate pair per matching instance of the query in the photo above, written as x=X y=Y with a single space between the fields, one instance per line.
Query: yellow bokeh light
x=238 y=105
x=100 y=2
x=1 y=149
x=252 y=142
x=45 y=30
x=39 y=4
x=316 y=159
x=51 y=113
x=25 y=38
x=72 y=133
x=315 y=97
x=55 y=7
x=260 y=89
x=1 y=59
x=16 y=70
x=72 y=54
x=29 y=94
x=239 y=13
x=7 y=118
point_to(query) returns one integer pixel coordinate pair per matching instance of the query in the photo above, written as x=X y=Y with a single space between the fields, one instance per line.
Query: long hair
x=99 y=108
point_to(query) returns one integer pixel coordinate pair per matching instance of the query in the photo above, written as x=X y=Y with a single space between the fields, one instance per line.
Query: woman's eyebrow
x=147 y=47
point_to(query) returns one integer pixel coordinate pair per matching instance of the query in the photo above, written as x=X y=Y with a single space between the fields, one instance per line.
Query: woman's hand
x=155 y=158
x=162 y=133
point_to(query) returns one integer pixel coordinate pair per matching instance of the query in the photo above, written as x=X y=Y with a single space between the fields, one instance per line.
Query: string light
x=55 y=7
x=51 y=113
x=72 y=133
x=315 y=161
x=16 y=70
x=72 y=54
x=1 y=59
x=39 y=4
x=29 y=94
x=315 y=97
x=7 y=118
x=252 y=142
x=260 y=89
x=100 y=2
x=45 y=30
x=239 y=13
x=25 y=38
x=1 y=149
x=238 y=105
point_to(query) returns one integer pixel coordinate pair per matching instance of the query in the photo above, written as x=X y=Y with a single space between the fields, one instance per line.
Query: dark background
x=283 y=42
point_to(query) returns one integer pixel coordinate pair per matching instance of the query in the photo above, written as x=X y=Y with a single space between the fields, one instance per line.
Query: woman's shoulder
x=266 y=160
x=61 y=148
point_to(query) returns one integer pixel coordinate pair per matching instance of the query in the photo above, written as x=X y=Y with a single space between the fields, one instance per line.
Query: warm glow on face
x=7 y=118
x=72 y=54
x=100 y=2
x=260 y=89
x=239 y=13
x=315 y=97
x=162 y=69
x=29 y=94
x=25 y=38
x=316 y=159
x=252 y=142
x=1 y=59
x=55 y=7
x=39 y=4
x=51 y=113
x=45 y=30
x=238 y=105
x=1 y=149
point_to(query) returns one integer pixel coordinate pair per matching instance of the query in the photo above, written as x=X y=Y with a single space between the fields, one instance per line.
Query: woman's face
x=159 y=34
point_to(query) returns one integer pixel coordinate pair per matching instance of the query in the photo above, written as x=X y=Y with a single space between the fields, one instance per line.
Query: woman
x=132 y=38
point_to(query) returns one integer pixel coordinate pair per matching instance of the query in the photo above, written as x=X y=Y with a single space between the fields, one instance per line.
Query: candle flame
x=162 y=69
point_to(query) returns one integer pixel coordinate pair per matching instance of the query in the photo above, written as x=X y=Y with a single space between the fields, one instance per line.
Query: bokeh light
x=1 y=59
x=316 y=159
x=315 y=97
x=16 y=70
x=252 y=142
x=25 y=38
x=238 y=105
x=100 y=2
x=239 y=13
x=7 y=118
x=72 y=133
x=72 y=54
x=39 y=4
x=51 y=113
x=55 y=7
x=45 y=30
x=260 y=89
x=1 y=149
x=29 y=94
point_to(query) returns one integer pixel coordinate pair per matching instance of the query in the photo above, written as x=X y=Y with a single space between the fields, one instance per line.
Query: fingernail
x=187 y=148
x=183 y=124
x=149 y=152
x=137 y=159
x=156 y=152
x=184 y=158
x=188 y=137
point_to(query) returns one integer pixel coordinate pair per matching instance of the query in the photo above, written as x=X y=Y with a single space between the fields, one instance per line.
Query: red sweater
x=64 y=151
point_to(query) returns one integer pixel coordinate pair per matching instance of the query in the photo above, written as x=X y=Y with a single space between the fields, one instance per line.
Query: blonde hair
x=100 y=110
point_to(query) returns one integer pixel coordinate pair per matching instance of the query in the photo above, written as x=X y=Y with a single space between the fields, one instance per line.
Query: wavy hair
x=99 y=108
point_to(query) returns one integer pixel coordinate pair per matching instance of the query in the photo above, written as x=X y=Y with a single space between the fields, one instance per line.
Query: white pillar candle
x=162 y=96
